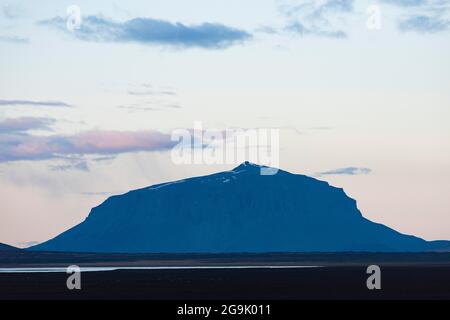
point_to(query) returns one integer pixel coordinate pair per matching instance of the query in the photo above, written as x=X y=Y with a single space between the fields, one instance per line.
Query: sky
x=90 y=92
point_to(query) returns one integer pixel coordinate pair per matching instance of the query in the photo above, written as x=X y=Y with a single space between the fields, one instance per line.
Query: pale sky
x=86 y=113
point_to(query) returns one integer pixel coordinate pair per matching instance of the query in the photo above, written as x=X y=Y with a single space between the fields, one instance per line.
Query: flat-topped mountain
x=234 y=211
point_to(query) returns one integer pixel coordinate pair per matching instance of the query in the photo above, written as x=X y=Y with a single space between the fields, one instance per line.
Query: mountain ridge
x=234 y=211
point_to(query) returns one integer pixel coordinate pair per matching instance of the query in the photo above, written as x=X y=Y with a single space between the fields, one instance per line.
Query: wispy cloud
x=15 y=147
x=303 y=30
x=405 y=3
x=153 y=32
x=23 y=124
x=138 y=107
x=144 y=107
x=161 y=98
x=424 y=24
x=34 y=103
x=346 y=171
x=152 y=93
x=423 y=16
x=13 y=39
x=74 y=165
x=316 y=18
x=267 y=30
x=11 y=11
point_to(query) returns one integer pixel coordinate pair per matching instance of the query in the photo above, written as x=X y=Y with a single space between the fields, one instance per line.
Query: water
x=99 y=269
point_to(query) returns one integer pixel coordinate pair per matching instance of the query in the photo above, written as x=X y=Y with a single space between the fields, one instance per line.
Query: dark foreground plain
x=235 y=284
x=343 y=276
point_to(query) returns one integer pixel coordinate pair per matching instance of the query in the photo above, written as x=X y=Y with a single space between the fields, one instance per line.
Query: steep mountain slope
x=234 y=211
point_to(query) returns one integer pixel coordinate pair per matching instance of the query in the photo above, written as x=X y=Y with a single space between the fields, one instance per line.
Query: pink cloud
x=14 y=147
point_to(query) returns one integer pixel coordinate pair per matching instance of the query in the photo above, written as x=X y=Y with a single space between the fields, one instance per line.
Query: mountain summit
x=234 y=211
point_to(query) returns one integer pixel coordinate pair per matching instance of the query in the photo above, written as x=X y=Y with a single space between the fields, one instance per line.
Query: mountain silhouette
x=234 y=211
x=6 y=247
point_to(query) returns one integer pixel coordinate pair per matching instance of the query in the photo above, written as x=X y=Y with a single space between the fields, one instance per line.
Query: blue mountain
x=234 y=211
x=6 y=247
